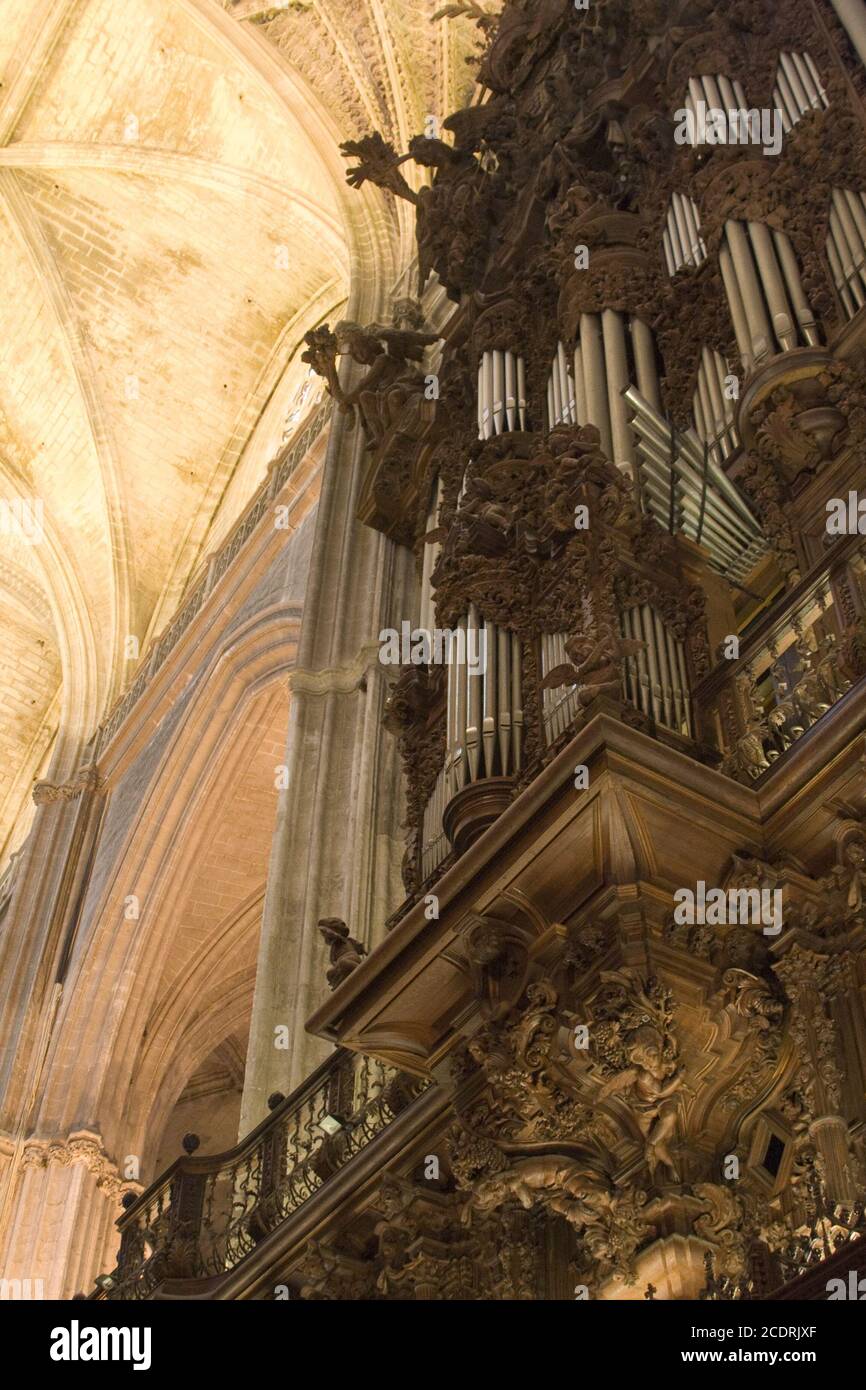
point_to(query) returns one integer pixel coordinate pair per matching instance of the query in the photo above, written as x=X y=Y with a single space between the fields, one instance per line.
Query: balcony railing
x=204 y=1215
x=790 y=671
x=810 y=1248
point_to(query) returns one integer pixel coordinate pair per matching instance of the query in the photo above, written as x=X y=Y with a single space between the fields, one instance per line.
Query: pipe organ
x=717 y=93
x=846 y=248
x=853 y=18
x=558 y=707
x=501 y=393
x=484 y=720
x=684 y=487
x=613 y=351
x=682 y=240
x=764 y=289
x=656 y=679
x=797 y=89
x=713 y=409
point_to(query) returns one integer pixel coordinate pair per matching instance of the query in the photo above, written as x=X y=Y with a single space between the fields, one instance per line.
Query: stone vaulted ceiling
x=173 y=218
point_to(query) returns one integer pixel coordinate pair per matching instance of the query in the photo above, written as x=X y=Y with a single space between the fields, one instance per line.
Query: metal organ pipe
x=580 y=397
x=750 y=291
x=791 y=271
x=594 y=378
x=616 y=365
x=846 y=248
x=645 y=362
x=774 y=289
x=762 y=279
x=483 y=722
x=716 y=93
x=612 y=353
x=736 y=306
x=501 y=393
x=798 y=88
x=655 y=680
x=682 y=240
x=714 y=412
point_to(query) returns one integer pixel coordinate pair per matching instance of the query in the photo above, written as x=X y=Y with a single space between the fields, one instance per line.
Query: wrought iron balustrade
x=204 y=1215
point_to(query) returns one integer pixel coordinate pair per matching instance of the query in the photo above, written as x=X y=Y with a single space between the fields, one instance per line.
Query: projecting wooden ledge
x=648 y=815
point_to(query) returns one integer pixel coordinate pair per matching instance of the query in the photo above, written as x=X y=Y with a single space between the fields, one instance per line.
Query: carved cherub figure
x=647 y=1085
x=346 y=953
x=563 y=1184
x=484 y=520
x=596 y=663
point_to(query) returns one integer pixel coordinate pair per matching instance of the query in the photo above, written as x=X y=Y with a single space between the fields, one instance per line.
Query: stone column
x=66 y=1201
x=337 y=844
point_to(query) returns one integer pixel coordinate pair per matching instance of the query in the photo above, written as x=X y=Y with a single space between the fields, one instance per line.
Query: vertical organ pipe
x=645 y=362
x=613 y=332
x=510 y=392
x=501 y=393
x=735 y=304
x=596 y=386
x=773 y=285
x=750 y=291
x=580 y=399
x=802 y=310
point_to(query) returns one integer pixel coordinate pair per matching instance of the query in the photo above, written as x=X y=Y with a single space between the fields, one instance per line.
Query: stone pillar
x=60 y=1232
x=337 y=844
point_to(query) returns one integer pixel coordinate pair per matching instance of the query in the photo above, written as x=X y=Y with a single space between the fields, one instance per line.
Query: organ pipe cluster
x=768 y=305
x=797 y=89
x=846 y=248
x=682 y=240
x=501 y=393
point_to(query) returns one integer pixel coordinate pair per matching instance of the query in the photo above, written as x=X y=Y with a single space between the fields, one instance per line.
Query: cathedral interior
x=433 y=732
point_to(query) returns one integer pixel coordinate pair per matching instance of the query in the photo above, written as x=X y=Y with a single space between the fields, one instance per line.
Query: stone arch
x=119 y=963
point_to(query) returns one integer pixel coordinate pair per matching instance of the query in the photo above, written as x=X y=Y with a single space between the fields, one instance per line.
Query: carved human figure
x=647 y=1086
x=854 y=864
x=390 y=354
x=564 y=1184
x=346 y=953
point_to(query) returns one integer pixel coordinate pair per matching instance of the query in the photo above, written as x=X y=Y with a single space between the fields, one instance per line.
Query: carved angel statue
x=346 y=953
x=596 y=663
x=388 y=352
x=646 y=1086
x=379 y=164
x=485 y=522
